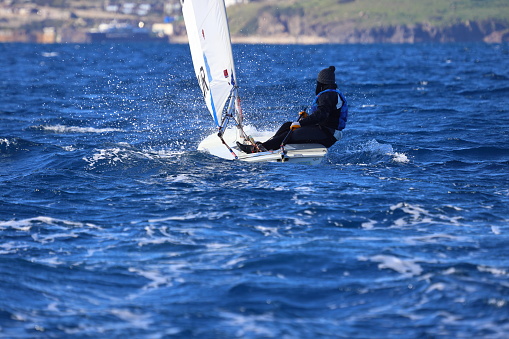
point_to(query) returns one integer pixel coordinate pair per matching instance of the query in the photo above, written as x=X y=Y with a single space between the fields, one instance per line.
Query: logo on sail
x=202 y=80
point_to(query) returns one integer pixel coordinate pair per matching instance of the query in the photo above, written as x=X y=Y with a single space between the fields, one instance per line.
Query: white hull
x=309 y=154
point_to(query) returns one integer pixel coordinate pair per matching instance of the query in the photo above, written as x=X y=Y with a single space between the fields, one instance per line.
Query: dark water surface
x=112 y=224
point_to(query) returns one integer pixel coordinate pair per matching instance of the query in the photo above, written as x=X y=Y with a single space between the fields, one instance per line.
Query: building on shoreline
x=29 y=22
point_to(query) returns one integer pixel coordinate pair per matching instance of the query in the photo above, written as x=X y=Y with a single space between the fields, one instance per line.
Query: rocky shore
x=294 y=29
x=490 y=32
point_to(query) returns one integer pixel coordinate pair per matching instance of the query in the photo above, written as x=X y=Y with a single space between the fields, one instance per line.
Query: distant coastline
x=50 y=36
x=386 y=35
x=263 y=22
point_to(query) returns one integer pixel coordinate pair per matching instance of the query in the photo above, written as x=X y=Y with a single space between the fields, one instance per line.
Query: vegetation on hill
x=325 y=17
x=369 y=13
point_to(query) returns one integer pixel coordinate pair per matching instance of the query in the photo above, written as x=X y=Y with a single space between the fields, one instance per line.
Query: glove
x=294 y=126
x=303 y=114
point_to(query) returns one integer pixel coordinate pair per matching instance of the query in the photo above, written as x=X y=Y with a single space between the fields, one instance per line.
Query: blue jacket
x=324 y=111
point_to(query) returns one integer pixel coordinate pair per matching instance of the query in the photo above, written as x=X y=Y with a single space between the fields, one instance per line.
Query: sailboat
x=211 y=51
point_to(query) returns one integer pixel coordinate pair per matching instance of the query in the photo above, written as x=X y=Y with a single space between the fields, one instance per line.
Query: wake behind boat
x=210 y=44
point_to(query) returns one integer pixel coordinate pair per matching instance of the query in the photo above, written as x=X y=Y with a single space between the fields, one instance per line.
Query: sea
x=114 y=224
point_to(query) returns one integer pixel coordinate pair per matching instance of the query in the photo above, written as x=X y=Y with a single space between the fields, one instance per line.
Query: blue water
x=112 y=224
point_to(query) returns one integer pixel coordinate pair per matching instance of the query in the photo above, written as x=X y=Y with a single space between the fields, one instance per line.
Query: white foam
x=52 y=237
x=450 y=271
x=374 y=146
x=431 y=239
x=69 y=148
x=418 y=215
x=21 y=225
x=436 y=287
x=405 y=267
x=5 y=141
x=249 y=325
x=10 y=247
x=400 y=157
x=369 y=225
x=189 y=216
x=149 y=230
x=268 y=231
x=26 y=224
x=158 y=241
x=54 y=262
x=114 y=155
x=497 y=302
x=154 y=235
x=75 y=129
x=493 y=270
x=163 y=153
x=157 y=278
x=496 y=230
x=124 y=153
x=135 y=320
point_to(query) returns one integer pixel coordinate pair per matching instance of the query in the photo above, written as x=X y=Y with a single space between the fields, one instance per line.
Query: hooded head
x=327 y=76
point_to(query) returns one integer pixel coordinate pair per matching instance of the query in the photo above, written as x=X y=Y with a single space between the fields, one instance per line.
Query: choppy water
x=112 y=223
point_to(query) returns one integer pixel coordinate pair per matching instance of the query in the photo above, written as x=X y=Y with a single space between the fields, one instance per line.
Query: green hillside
x=362 y=14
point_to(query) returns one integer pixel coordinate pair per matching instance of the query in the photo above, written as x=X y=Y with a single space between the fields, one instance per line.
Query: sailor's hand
x=303 y=115
x=294 y=126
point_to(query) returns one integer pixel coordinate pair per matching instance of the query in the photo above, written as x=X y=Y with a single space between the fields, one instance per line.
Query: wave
x=26 y=233
x=6 y=143
x=483 y=153
x=370 y=152
x=75 y=129
x=406 y=267
x=485 y=92
x=495 y=76
x=458 y=153
x=404 y=215
x=27 y=224
x=125 y=155
x=10 y=145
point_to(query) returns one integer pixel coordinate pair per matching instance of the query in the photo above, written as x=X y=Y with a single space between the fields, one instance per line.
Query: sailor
x=327 y=118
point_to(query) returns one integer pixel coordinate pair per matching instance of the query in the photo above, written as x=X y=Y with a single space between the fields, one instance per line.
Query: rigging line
x=248 y=138
x=221 y=132
x=220 y=135
x=229 y=148
x=224 y=122
x=239 y=118
x=283 y=143
x=234 y=106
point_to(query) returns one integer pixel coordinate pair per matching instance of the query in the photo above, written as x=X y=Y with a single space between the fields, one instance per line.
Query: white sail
x=210 y=44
